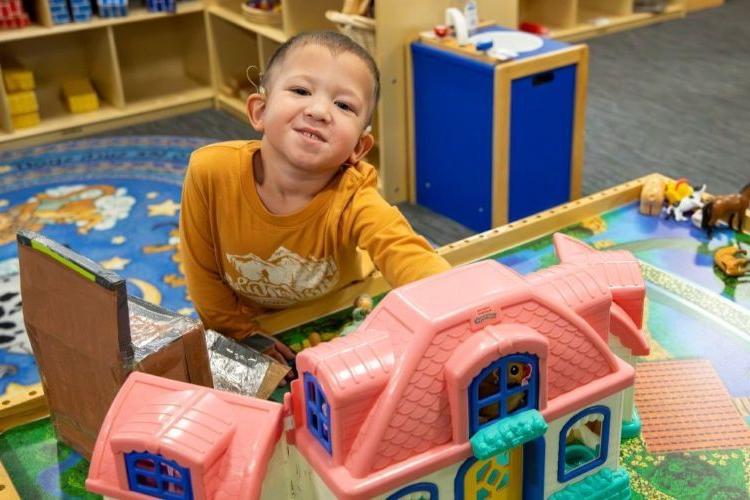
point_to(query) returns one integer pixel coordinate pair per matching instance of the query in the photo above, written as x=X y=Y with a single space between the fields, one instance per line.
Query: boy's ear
x=256 y=105
x=364 y=145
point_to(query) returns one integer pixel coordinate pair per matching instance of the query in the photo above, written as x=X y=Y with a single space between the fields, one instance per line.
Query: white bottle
x=472 y=16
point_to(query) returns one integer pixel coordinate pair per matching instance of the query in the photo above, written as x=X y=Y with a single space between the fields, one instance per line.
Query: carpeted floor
x=672 y=98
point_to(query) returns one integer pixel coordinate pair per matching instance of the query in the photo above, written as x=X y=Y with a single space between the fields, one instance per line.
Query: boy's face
x=317 y=108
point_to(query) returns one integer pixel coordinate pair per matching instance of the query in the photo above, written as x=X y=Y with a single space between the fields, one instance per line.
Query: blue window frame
x=507 y=386
x=154 y=475
x=318 y=412
x=584 y=442
x=425 y=491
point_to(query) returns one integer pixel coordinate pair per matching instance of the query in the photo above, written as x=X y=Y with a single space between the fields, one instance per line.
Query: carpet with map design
x=114 y=200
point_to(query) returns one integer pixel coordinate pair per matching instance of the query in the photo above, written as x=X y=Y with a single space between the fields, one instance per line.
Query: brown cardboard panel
x=80 y=330
x=79 y=389
x=275 y=374
x=68 y=431
x=168 y=362
x=63 y=304
x=196 y=357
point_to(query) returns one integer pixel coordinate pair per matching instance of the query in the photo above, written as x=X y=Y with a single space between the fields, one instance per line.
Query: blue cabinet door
x=541 y=141
x=453 y=107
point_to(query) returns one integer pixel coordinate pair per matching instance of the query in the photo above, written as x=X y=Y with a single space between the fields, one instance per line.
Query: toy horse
x=731 y=206
x=687 y=204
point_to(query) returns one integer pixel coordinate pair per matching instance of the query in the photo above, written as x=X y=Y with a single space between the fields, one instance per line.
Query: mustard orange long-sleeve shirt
x=241 y=260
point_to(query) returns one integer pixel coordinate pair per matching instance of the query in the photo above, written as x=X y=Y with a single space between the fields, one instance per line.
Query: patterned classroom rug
x=114 y=200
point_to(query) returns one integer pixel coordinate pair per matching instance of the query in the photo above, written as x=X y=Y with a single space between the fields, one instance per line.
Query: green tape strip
x=67 y=263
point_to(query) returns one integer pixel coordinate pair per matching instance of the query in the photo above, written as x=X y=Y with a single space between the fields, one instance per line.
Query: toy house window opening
x=505 y=387
x=318 y=412
x=584 y=442
x=152 y=474
x=422 y=491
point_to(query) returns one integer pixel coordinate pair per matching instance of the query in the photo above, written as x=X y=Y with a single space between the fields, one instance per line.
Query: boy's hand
x=273 y=347
x=281 y=353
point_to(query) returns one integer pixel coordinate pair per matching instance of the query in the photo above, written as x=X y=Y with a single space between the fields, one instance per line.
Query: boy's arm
x=397 y=251
x=215 y=302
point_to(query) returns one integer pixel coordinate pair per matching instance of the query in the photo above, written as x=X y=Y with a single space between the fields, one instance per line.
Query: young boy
x=267 y=224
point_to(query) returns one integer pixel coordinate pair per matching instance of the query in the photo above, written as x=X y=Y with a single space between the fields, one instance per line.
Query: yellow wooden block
x=80 y=96
x=25 y=120
x=17 y=79
x=22 y=103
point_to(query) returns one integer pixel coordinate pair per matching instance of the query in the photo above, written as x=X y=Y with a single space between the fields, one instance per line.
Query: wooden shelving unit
x=228 y=29
x=150 y=65
x=693 y=5
x=574 y=20
x=143 y=66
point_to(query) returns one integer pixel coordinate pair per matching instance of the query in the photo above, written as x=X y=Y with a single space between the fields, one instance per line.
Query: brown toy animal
x=730 y=207
x=517 y=374
x=732 y=260
x=652 y=196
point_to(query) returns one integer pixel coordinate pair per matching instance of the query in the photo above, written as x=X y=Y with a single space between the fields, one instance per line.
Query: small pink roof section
x=619 y=268
x=393 y=369
x=195 y=426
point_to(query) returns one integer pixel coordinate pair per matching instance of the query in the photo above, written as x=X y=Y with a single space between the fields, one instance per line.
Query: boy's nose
x=318 y=110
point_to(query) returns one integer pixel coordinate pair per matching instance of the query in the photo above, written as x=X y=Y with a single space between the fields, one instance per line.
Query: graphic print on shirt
x=284 y=279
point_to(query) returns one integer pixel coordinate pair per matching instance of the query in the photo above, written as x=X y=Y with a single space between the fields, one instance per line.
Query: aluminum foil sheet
x=241 y=369
x=153 y=328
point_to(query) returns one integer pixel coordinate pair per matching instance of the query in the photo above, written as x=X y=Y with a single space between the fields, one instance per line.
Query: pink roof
x=226 y=440
x=619 y=268
x=390 y=382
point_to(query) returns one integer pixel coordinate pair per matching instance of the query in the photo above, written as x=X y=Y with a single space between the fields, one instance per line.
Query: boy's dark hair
x=333 y=41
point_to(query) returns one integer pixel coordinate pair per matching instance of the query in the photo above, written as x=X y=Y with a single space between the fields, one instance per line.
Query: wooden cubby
x=5 y=124
x=162 y=58
x=231 y=64
x=142 y=66
x=80 y=54
x=693 y=5
x=573 y=20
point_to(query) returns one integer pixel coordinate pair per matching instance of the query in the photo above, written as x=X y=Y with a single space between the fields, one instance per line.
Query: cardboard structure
x=88 y=335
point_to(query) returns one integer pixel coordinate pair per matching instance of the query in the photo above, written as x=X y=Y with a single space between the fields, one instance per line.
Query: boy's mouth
x=311 y=134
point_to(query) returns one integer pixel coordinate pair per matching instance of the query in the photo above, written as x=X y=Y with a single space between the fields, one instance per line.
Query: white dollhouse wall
x=305 y=484
x=628 y=397
x=552 y=444
x=279 y=481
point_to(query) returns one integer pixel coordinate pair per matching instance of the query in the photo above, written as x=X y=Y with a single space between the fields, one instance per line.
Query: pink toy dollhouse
x=477 y=383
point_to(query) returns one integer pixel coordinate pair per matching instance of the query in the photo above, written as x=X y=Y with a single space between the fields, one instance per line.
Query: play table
x=697 y=321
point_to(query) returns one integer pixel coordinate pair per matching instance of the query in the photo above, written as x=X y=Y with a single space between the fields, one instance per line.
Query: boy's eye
x=300 y=91
x=344 y=106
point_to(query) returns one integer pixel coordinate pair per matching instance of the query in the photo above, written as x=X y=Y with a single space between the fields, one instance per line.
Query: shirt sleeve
x=217 y=305
x=395 y=249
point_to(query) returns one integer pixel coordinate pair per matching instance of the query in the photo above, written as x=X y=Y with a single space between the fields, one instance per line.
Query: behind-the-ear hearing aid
x=259 y=88
x=367 y=130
